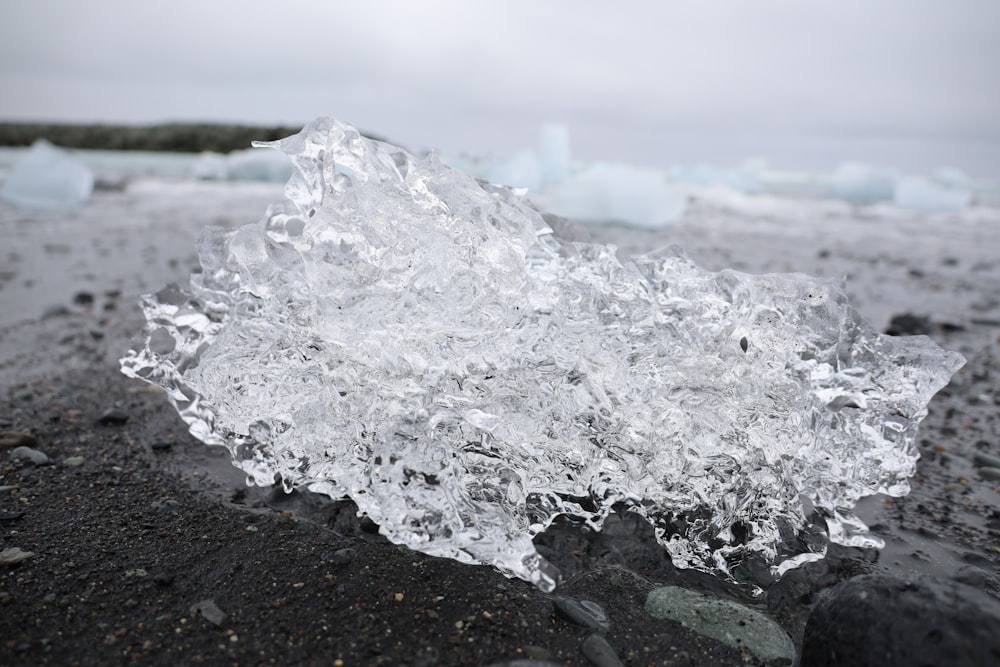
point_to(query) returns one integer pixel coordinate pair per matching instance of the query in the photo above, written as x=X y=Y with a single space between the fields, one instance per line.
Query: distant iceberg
x=926 y=195
x=47 y=176
x=248 y=165
x=605 y=192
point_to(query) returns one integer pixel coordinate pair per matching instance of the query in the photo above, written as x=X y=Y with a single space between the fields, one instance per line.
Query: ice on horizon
x=47 y=177
x=397 y=332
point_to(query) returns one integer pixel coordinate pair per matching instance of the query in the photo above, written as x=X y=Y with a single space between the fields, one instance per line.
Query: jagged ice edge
x=657 y=391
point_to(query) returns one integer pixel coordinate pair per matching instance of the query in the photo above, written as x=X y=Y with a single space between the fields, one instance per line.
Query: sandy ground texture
x=144 y=548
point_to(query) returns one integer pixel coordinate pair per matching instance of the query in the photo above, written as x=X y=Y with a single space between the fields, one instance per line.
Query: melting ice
x=399 y=333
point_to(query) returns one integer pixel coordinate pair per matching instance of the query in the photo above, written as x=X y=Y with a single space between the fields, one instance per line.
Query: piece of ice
x=926 y=195
x=861 y=183
x=47 y=176
x=521 y=170
x=210 y=166
x=602 y=192
x=555 y=154
x=246 y=165
x=952 y=177
x=745 y=178
x=396 y=332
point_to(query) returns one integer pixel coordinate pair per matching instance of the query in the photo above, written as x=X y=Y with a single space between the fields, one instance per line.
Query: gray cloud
x=629 y=78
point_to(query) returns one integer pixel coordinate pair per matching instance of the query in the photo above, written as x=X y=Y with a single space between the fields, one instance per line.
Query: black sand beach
x=129 y=546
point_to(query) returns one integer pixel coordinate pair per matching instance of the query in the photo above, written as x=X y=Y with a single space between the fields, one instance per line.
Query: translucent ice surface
x=47 y=176
x=396 y=332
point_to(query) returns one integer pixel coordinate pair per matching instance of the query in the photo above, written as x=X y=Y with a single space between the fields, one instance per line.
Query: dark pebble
x=10 y=515
x=885 y=621
x=525 y=663
x=113 y=417
x=162 y=446
x=582 y=612
x=16 y=439
x=600 y=653
x=908 y=324
x=56 y=311
x=340 y=557
x=83 y=299
x=163 y=579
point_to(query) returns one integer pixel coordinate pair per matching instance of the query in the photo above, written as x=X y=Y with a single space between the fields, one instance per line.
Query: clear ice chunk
x=399 y=333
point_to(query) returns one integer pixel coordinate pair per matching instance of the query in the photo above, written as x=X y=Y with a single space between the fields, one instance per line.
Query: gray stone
x=986 y=461
x=113 y=417
x=33 y=455
x=989 y=472
x=582 y=612
x=210 y=611
x=600 y=654
x=14 y=555
x=889 y=621
x=74 y=461
x=725 y=621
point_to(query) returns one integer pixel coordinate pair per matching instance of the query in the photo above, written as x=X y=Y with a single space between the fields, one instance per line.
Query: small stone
x=166 y=504
x=33 y=455
x=162 y=446
x=10 y=439
x=137 y=572
x=582 y=612
x=209 y=611
x=600 y=654
x=986 y=461
x=908 y=324
x=989 y=472
x=56 y=311
x=973 y=576
x=901 y=622
x=525 y=663
x=340 y=557
x=83 y=299
x=113 y=417
x=14 y=555
x=163 y=579
x=74 y=461
x=725 y=621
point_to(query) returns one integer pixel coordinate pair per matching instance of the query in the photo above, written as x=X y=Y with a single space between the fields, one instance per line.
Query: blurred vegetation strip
x=176 y=137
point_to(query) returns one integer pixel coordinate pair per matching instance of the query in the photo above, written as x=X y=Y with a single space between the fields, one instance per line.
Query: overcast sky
x=803 y=82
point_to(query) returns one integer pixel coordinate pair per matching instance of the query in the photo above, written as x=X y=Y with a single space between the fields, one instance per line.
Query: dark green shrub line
x=177 y=137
